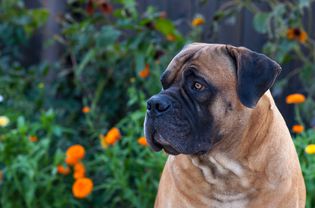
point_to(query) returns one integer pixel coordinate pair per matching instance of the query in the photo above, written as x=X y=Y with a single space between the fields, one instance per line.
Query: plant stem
x=298 y=115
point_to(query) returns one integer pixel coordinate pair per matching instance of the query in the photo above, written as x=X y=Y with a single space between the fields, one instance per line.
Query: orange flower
x=197 y=21
x=297 y=34
x=142 y=141
x=79 y=171
x=145 y=72
x=86 y=109
x=110 y=140
x=63 y=170
x=71 y=160
x=114 y=132
x=112 y=136
x=74 y=154
x=33 y=138
x=297 y=129
x=82 y=187
x=171 y=37
x=295 y=98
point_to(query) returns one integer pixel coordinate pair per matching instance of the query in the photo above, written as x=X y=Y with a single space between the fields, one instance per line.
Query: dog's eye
x=197 y=86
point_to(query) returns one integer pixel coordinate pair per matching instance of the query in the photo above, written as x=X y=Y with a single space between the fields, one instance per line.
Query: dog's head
x=208 y=90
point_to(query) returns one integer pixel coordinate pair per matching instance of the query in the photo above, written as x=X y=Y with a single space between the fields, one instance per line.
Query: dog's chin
x=157 y=143
x=170 y=150
x=155 y=146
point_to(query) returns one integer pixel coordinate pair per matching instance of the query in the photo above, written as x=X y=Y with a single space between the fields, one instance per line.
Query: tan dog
x=229 y=145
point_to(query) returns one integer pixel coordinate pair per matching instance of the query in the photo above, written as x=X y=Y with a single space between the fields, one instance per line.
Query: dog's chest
x=229 y=181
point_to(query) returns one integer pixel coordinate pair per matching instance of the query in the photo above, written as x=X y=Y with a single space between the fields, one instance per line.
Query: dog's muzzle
x=157 y=106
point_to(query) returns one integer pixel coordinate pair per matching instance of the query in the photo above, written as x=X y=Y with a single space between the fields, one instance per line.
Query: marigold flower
x=197 y=21
x=295 y=98
x=297 y=34
x=297 y=129
x=142 y=141
x=170 y=37
x=4 y=121
x=112 y=136
x=63 y=170
x=145 y=72
x=79 y=170
x=33 y=138
x=86 y=109
x=114 y=132
x=71 y=160
x=310 y=149
x=110 y=140
x=74 y=154
x=82 y=187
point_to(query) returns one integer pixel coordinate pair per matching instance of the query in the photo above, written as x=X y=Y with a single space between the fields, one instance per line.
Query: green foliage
x=28 y=169
x=307 y=164
x=130 y=179
x=105 y=56
x=18 y=23
x=99 y=68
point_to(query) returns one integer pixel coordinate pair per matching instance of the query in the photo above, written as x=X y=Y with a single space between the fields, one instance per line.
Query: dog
x=228 y=144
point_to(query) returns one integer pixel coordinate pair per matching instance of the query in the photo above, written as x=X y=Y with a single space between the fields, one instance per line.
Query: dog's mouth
x=158 y=143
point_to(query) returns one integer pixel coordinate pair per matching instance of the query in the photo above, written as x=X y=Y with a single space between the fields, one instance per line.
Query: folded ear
x=255 y=72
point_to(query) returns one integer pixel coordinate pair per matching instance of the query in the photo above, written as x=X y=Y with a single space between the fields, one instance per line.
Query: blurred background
x=75 y=75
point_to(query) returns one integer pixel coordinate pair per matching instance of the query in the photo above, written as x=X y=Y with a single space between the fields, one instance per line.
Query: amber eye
x=198 y=86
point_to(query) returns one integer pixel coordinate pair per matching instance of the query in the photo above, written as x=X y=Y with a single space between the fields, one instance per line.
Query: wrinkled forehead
x=206 y=59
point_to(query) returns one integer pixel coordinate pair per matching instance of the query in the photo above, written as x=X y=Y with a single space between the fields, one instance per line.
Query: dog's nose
x=158 y=104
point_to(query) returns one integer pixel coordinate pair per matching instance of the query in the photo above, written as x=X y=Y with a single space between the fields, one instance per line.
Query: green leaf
x=107 y=36
x=306 y=74
x=39 y=16
x=21 y=124
x=86 y=59
x=261 y=22
x=165 y=26
x=139 y=61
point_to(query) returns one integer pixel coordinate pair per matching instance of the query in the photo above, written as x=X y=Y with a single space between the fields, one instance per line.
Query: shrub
x=307 y=161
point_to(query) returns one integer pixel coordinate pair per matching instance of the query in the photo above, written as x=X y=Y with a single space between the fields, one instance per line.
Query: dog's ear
x=255 y=72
